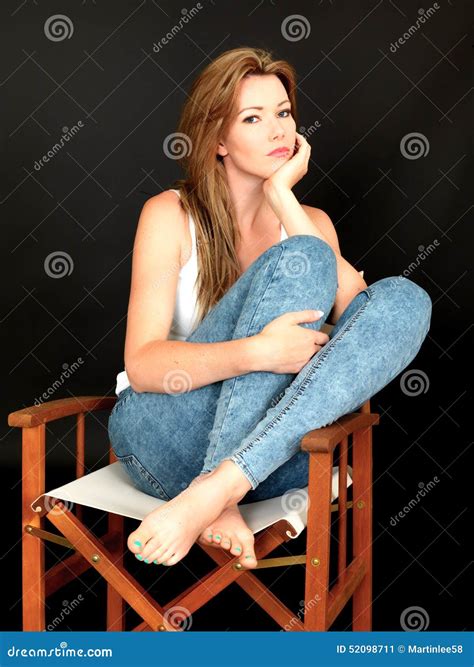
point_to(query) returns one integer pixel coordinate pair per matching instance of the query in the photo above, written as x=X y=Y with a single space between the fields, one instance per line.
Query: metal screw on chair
x=95 y=558
x=28 y=529
x=315 y=562
x=360 y=504
x=161 y=628
x=237 y=566
x=38 y=509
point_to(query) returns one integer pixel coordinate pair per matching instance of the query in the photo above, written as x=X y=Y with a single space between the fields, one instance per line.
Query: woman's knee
x=409 y=298
x=307 y=257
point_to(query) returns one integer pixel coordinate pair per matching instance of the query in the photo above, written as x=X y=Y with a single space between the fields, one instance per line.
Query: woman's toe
x=226 y=541
x=248 y=559
x=153 y=545
x=137 y=540
x=172 y=559
x=157 y=555
x=236 y=548
x=217 y=537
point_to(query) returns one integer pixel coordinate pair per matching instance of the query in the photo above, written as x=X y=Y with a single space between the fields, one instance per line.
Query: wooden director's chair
x=273 y=521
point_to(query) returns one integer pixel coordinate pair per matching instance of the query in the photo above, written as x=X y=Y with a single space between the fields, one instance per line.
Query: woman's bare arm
x=174 y=366
x=154 y=363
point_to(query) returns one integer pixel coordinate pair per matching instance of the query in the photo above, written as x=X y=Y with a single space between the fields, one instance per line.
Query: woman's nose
x=277 y=131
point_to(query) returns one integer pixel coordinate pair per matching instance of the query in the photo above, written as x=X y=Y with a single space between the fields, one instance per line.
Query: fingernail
x=318 y=313
x=139 y=556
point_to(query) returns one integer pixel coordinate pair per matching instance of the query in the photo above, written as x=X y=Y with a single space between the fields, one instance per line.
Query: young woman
x=232 y=280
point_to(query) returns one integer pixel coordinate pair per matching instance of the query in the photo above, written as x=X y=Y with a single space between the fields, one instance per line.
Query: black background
x=86 y=201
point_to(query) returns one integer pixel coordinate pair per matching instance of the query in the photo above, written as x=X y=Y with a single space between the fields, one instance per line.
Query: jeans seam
x=305 y=381
x=281 y=249
x=144 y=472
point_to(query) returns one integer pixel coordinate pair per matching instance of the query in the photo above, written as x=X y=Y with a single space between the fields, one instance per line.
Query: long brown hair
x=205 y=118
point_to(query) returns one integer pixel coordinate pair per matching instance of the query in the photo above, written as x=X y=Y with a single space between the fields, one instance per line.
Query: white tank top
x=185 y=311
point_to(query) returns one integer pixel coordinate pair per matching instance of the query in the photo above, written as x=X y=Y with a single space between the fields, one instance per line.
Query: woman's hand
x=284 y=346
x=292 y=171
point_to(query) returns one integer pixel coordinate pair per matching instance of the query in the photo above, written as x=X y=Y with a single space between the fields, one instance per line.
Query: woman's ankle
x=234 y=480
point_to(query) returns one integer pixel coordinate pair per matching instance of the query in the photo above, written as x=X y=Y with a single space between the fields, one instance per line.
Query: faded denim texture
x=257 y=420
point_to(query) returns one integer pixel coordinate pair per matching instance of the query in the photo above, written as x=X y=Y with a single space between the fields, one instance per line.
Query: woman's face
x=256 y=132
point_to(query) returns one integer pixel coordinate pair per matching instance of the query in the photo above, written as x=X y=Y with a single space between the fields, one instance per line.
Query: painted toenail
x=248 y=556
x=238 y=548
x=156 y=562
x=147 y=561
x=210 y=536
x=139 y=556
x=218 y=537
x=138 y=543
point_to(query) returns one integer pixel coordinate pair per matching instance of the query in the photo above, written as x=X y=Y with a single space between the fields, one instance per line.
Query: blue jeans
x=258 y=419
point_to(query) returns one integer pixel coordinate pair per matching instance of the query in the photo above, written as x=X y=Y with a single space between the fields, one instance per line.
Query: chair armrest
x=63 y=407
x=325 y=439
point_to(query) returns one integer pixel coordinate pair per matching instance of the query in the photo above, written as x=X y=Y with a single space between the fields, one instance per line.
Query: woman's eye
x=287 y=111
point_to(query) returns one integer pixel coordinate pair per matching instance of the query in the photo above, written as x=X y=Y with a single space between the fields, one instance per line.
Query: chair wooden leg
x=104 y=562
x=33 y=573
x=115 y=602
x=362 y=526
x=318 y=541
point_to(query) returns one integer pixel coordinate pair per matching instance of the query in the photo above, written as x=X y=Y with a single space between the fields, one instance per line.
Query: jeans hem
x=239 y=461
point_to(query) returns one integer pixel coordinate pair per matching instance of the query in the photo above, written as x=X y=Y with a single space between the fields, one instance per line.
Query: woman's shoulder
x=163 y=214
x=165 y=198
x=324 y=223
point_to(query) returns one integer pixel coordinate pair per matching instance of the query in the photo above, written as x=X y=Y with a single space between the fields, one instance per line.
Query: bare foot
x=166 y=534
x=230 y=532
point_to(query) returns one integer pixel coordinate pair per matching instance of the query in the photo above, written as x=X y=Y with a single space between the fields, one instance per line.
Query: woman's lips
x=280 y=152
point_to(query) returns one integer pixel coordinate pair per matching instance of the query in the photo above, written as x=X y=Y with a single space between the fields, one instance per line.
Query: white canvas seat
x=111 y=490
